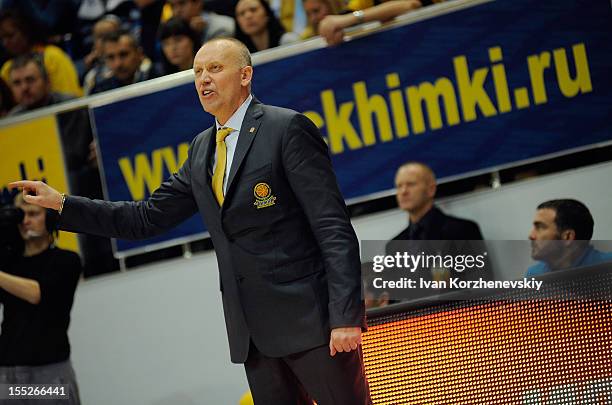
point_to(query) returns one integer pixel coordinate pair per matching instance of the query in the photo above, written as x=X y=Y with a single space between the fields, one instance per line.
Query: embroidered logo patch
x=263 y=196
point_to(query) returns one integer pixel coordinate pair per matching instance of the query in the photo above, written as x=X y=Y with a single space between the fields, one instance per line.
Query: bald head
x=424 y=171
x=238 y=50
x=223 y=73
x=415 y=184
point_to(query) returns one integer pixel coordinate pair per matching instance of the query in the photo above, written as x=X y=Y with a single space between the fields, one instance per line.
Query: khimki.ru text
x=456 y=283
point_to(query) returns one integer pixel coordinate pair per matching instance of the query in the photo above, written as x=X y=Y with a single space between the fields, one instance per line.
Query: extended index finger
x=22 y=184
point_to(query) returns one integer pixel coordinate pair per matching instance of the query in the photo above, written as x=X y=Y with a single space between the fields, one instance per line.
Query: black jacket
x=436 y=225
x=287 y=253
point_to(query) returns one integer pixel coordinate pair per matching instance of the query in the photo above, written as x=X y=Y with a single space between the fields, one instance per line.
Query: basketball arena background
x=409 y=88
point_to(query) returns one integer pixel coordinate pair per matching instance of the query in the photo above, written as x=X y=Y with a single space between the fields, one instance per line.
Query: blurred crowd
x=55 y=50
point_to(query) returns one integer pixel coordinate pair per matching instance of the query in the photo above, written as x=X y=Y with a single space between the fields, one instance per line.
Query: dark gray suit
x=288 y=257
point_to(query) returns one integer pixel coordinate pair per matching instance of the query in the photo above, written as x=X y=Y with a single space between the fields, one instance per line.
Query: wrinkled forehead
x=218 y=51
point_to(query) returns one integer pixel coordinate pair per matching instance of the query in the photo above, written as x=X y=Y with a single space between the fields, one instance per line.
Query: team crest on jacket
x=263 y=196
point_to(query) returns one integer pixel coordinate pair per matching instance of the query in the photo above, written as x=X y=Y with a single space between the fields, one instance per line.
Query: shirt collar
x=428 y=218
x=235 y=121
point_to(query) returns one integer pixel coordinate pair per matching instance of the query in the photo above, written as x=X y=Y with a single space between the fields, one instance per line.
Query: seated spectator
x=140 y=17
x=94 y=66
x=316 y=10
x=21 y=37
x=415 y=192
x=207 y=24
x=125 y=61
x=332 y=27
x=91 y=11
x=560 y=237
x=416 y=189
x=31 y=87
x=30 y=84
x=179 y=45
x=7 y=101
x=258 y=28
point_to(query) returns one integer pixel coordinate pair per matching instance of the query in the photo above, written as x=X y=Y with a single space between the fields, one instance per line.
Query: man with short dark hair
x=93 y=64
x=560 y=237
x=30 y=84
x=125 y=60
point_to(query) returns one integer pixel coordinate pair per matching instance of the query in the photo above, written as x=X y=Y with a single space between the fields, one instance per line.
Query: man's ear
x=568 y=234
x=431 y=190
x=246 y=75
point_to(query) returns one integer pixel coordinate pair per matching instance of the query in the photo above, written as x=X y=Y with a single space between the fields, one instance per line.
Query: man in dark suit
x=415 y=184
x=288 y=256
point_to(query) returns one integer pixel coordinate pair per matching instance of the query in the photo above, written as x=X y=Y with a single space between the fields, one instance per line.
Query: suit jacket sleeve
x=312 y=179
x=474 y=233
x=169 y=205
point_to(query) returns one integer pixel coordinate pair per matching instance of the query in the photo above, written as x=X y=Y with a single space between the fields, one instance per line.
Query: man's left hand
x=344 y=340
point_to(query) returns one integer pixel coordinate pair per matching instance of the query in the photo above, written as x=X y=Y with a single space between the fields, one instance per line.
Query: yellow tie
x=219 y=172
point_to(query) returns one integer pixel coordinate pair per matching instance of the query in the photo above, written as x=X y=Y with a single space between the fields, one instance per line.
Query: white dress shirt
x=235 y=122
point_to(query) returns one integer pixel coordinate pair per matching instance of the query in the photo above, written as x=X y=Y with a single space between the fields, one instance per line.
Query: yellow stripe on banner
x=32 y=150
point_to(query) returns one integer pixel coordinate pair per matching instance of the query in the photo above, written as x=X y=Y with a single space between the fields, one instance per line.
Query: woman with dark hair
x=179 y=45
x=258 y=28
x=20 y=37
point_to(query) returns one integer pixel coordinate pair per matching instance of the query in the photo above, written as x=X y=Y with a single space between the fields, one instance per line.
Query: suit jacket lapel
x=208 y=158
x=249 y=129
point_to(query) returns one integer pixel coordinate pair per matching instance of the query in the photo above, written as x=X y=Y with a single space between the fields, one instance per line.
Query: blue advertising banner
x=477 y=88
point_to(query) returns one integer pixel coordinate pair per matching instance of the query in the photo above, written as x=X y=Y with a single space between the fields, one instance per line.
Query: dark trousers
x=300 y=378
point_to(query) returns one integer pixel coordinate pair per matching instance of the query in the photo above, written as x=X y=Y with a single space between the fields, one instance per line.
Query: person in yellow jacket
x=19 y=38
